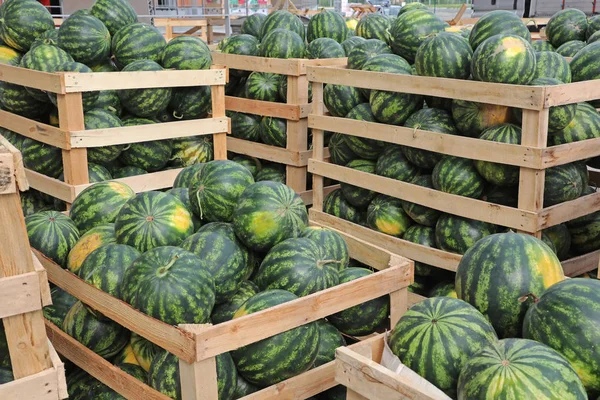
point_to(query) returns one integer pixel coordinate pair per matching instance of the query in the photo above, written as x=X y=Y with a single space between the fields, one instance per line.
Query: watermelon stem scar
x=162 y=271
x=199 y=202
x=523 y=299
x=321 y=263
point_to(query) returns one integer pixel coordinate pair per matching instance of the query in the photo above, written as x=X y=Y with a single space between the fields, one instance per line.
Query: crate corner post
x=218 y=111
x=318 y=145
x=297 y=137
x=198 y=379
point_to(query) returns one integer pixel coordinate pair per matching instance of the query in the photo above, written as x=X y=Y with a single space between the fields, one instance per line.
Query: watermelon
x=164 y=377
x=570 y=48
x=324 y=48
x=329 y=340
x=526 y=370
x=42 y=158
x=458 y=176
x=339 y=150
x=183 y=194
x=85 y=38
x=282 y=43
x=593 y=38
x=153 y=219
x=62 y=302
x=562 y=183
x=593 y=26
x=108 y=100
x=332 y=244
x=150 y=156
x=340 y=100
x=106 y=65
x=253 y=24
x=350 y=43
x=279 y=357
x=216 y=192
x=283 y=20
x=362 y=319
x=267 y=213
x=326 y=24
x=542 y=45
x=566 y=25
x=45 y=58
x=250 y=163
x=143 y=350
x=445 y=55
x=88 y=242
x=273 y=131
x=443 y=289
x=412 y=6
x=582 y=63
x=170 y=284
x=262 y=86
x=101 y=119
x=187 y=175
x=115 y=14
x=52 y=233
x=190 y=102
x=89 y=98
x=385 y=214
x=354 y=195
x=433 y=120
x=367 y=149
x=224 y=312
x=126 y=356
x=444 y=332
x=364 y=51
x=32 y=202
x=272 y=172
x=99 y=204
x=374 y=26
x=497 y=22
x=136 y=42
x=583 y=125
x=585 y=231
x=101 y=335
x=222 y=254
x=425 y=236
x=244 y=45
x=472 y=118
x=513 y=265
x=419 y=213
x=494 y=173
x=192 y=150
x=186 y=53
x=546 y=322
x=410 y=30
x=504 y=59
x=506 y=196
x=336 y=205
x=560 y=116
x=457 y=234
x=560 y=237
x=103 y=392
x=244 y=126
x=144 y=102
x=23 y=21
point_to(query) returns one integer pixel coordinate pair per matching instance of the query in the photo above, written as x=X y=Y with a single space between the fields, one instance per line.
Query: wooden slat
x=579 y=265
x=32 y=79
x=59 y=367
x=449 y=203
x=17 y=164
x=36 y=130
x=78 y=82
x=576 y=92
x=51 y=186
x=143 y=183
x=569 y=210
x=43 y=281
x=307 y=196
x=527 y=97
x=265 y=108
x=146 y=133
x=269 y=153
x=20 y=294
x=414 y=298
x=180 y=22
x=458 y=146
x=8 y=183
x=297 y=132
x=290 y=67
x=40 y=386
x=570 y=152
x=166 y=336
x=218 y=111
x=199 y=379
x=318 y=145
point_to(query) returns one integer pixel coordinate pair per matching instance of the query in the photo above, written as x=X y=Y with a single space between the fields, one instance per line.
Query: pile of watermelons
x=105 y=38
x=217 y=246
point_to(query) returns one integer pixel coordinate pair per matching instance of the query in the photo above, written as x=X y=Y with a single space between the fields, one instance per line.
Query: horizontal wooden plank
x=78 y=82
x=449 y=203
x=572 y=93
x=19 y=294
x=180 y=22
x=36 y=130
x=147 y=133
x=570 y=152
x=32 y=79
x=414 y=298
x=99 y=368
x=51 y=186
x=528 y=97
x=569 y=210
x=290 y=67
x=166 y=336
x=290 y=112
x=143 y=183
x=307 y=196
x=428 y=255
x=270 y=153
x=41 y=386
x=459 y=146
x=579 y=265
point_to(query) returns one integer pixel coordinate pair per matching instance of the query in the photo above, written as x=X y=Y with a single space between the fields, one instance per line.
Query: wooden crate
x=198 y=345
x=532 y=156
x=74 y=140
x=296 y=154
x=24 y=290
x=198 y=27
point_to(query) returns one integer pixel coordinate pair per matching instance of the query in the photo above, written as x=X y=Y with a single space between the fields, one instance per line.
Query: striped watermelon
x=566 y=318
x=42 y=158
x=340 y=100
x=101 y=335
x=244 y=126
x=472 y=118
x=421 y=214
x=415 y=5
x=268 y=213
x=339 y=150
x=560 y=237
x=367 y=149
x=581 y=63
x=279 y=357
x=514 y=265
x=594 y=38
x=190 y=102
x=526 y=370
x=32 y=202
x=45 y=58
x=253 y=24
x=458 y=176
x=365 y=318
x=52 y=233
x=350 y=43
x=504 y=59
x=541 y=45
x=445 y=55
x=105 y=267
x=217 y=190
x=191 y=150
x=443 y=289
x=115 y=14
x=108 y=100
x=374 y=26
x=62 y=302
x=583 y=125
x=391 y=63
x=327 y=24
x=272 y=172
x=385 y=214
x=144 y=102
x=335 y=204
x=91 y=240
x=497 y=22
x=593 y=26
x=224 y=312
x=282 y=43
x=425 y=236
x=99 y=204
x=170 y=284
x=410 y=30
x=394 y=165
x=85 y=38
x=150 y=156
x=494 y=173
x=298 y=265
x=250 y=163
x=283 y=20
x=136 y=42
x=48 y=37
x=101 y=119
x=331 y=243
x=186 y=53
x=329 y=340
x=584 y=231
x=23 y=21
x=457 y=234
x=438 y=336
x=562 y=183
x=364 y=51
x=187 y=175
x=354 y=195
x=153 y=219
x=549 y=64
x=89 y=98
x=263 y=86
x=183 y=194
x=143 y=350
x=324 y=48
x=222 y=254
x=106 y=65
x=566 y=25
x=570 y=48
x=244 y=45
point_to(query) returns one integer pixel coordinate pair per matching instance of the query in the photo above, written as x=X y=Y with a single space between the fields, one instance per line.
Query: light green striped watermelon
x=494 y=173
x=374 y=26
x=88 y=242
x=136 y=42
x=85 y=38
x=444 y=55
x=225 y=311
x=458 y=176
x=570 y=48
x=42 y=158
x=45 y=58
x=115 y=14
x=335 y=204
x=145 y=102
x=504 y=58
x=327 y=24
x=566 y=25
x=410 y=30
x=284 y=20
x=52 y=233
x=187 y=175
x=329 y=340
x=497 y=22
x=23 y=21
x=282 y=43
x=457 y=234
x=331 y=243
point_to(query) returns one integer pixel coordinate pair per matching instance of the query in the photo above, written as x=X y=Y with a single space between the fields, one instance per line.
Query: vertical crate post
x=199 y=379
x=218 y=111
x=531 y=181
x=318 y=146
x=297 y=131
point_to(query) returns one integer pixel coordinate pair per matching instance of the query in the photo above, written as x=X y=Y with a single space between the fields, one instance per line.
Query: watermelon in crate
x=281 y=43
x=23 y=21
x=101 y=119
x=472 y=118
x=137 y=42
x=443 y=289
x=562 y=183
x=45 y=58
x=190 y=102
x=42 y=158
x=386 y=215
x=584 y=123
x=410 y=30
x=494 y=173
x=272 y=172
x=374 y=26
x=273 y=131
x=115 y=14
x=581 y=62
x=262 y=86
x=444 y=55
x=62 y=302
x=354 y=195
x=364 y=51
x=225 y=311
x=186 y=53
x=340 y=100
x=419 y=213
x=329 y=340
x=253 y=24
x=350 y=43
x=566 y=25
x=283 y=20
x=570 y=48
x=497 y=22
x=108 y=100
x=191 y=150
x=458 y=176
x=367 y=149
x=324 y=48
x=457 y=234
x=584 y=231
x=560 y=237
x=144 y=102
x=243 y=45
x=335 y=204
x=327 y=24
x=150 y=156
x=52 y=233
x=245 y=126
x=339 y=151
x=89 y=98
x=187 y=175
x=504 y=58
x=332 y=243
x=250 y=163
x=85 y=38
x=88 y=242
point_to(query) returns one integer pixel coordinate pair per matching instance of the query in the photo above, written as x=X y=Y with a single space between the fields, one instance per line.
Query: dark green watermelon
x=245 y=126
x=42 y=158
x=243 y=45
x=497 y=22
x=585 y=231
x=190 y=102
x=354 y=195
x=324 y=48
x=350 y=43
x=273 y=131
x=364 y=51
x=85 y=38
x=23 y=21
x=262 y=86
x=272 y=172
x=89 y=98
x=144 y=102
x=445 y=55
x=560 y=237
x=393 y=164
x=282 y=43
x=457 y=234
x=32 y=202
x=504 y=59
x=186 y=53
x=62 y=302
x=570 y=48
x=458 y=176
x=331 y=243
x=253 y=23
x=340 y=100
x=283 y=20
x=101 y=119
x=327 y=24
x=425 y=236
x=191 y=150
x=53 y=234
x=108 y=100
x=566 y=25
x=562 y=183
x=329 y=340
x=419 y=213
x=410 y=30
x=335 y=204
x=250 y=163
x=115 y=14
x=367 y=149
x=494 y=173
x=150 y=156
x=225 y=311
x=339 y=150
x=45 y=58
x=584 y=124
x=374 y=26
x=136 y=42
x=385 y=214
